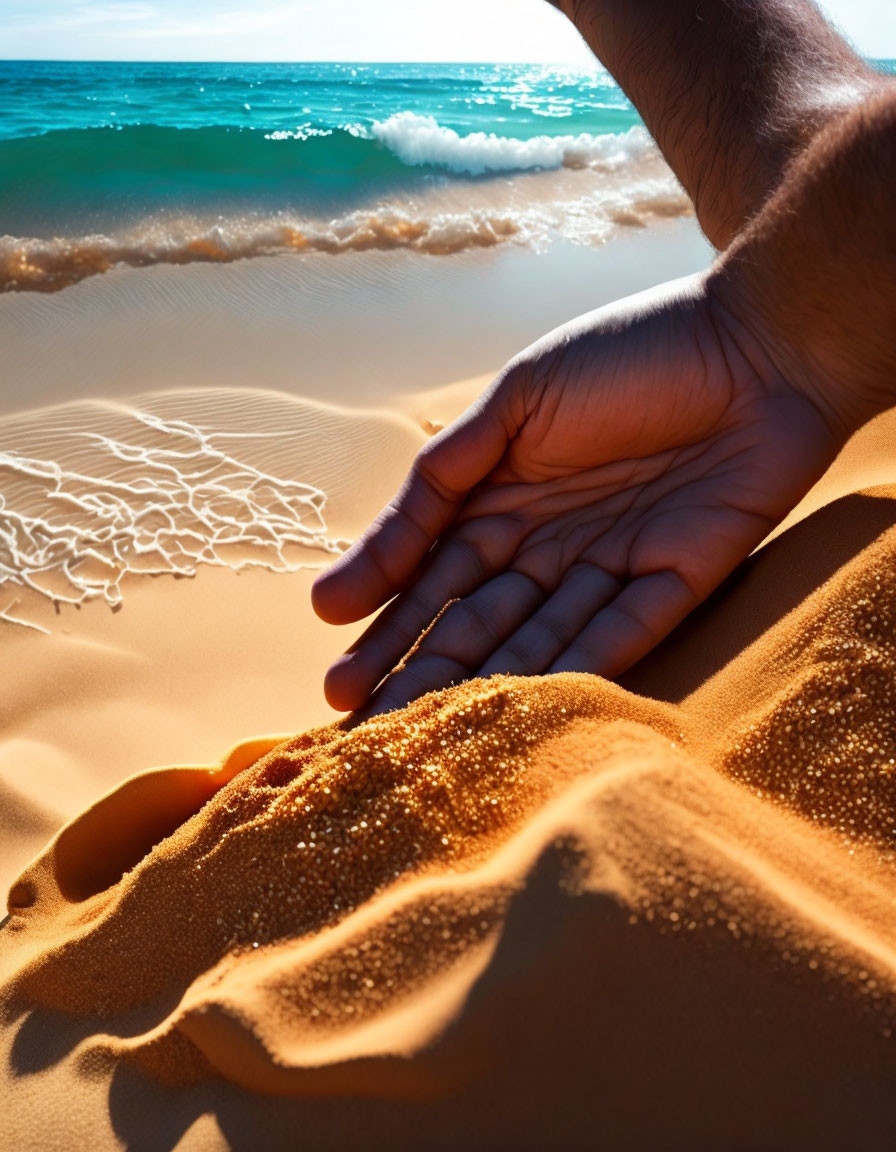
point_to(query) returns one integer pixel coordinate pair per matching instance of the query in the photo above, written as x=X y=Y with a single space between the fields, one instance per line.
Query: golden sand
x=510 y=890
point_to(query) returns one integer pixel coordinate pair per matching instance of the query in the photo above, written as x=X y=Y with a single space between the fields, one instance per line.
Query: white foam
x=161 y=496
x=422 y=140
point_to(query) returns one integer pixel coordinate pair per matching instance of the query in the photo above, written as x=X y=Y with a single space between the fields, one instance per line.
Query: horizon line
x=315 y=60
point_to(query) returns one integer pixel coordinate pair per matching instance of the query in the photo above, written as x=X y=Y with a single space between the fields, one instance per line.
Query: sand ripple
x=95 y=493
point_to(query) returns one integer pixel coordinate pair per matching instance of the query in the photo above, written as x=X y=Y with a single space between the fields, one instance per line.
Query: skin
x=730 y=90
x=617 y=470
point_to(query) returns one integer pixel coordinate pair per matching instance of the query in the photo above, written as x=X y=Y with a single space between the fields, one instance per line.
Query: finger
x=532 y=648
x=409 y=683
x=379 y=564
x=460 y=640
x=643 y=614
x=466 y=560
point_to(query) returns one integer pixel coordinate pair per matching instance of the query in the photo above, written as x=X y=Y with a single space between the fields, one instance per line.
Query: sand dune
x=520 y=913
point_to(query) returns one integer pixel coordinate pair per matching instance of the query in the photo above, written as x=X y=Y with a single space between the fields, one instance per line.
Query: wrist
x=773 y=350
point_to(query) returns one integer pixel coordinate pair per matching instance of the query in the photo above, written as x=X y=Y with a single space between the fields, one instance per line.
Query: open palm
x=606 y=483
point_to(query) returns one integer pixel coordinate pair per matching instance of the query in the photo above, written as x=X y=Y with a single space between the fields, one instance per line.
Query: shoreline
x=415 y=322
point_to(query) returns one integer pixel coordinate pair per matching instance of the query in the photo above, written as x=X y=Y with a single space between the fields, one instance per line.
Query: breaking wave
x=421 y=140
x=151 y=165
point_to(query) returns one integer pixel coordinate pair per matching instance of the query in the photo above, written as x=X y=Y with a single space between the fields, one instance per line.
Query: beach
x=324 y=413
x=650 y=885
x=521 y=913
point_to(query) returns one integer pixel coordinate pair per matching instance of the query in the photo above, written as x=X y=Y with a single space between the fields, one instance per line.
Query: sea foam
x=120 y=490
x=419 y=140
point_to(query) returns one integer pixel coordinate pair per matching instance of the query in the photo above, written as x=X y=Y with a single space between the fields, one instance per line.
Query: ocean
x=140 y=163
x=110 y=163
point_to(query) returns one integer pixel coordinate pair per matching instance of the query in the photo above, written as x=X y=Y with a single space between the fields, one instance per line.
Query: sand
x=521 y=913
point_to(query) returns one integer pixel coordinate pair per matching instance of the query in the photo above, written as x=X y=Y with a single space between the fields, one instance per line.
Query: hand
x=608 y=480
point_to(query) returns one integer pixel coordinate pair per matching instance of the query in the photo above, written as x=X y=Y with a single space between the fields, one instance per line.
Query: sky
x=335 y=29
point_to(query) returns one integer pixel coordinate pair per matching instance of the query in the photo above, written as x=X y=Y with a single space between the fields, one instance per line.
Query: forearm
x=814 y=275
x=731 y=90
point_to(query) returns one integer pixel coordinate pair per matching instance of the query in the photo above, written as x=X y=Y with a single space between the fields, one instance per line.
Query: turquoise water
x=108 y=163
x=511 y=99
x=89 y=143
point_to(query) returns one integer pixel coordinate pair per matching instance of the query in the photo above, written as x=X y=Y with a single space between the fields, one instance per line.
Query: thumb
x=382 y=561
